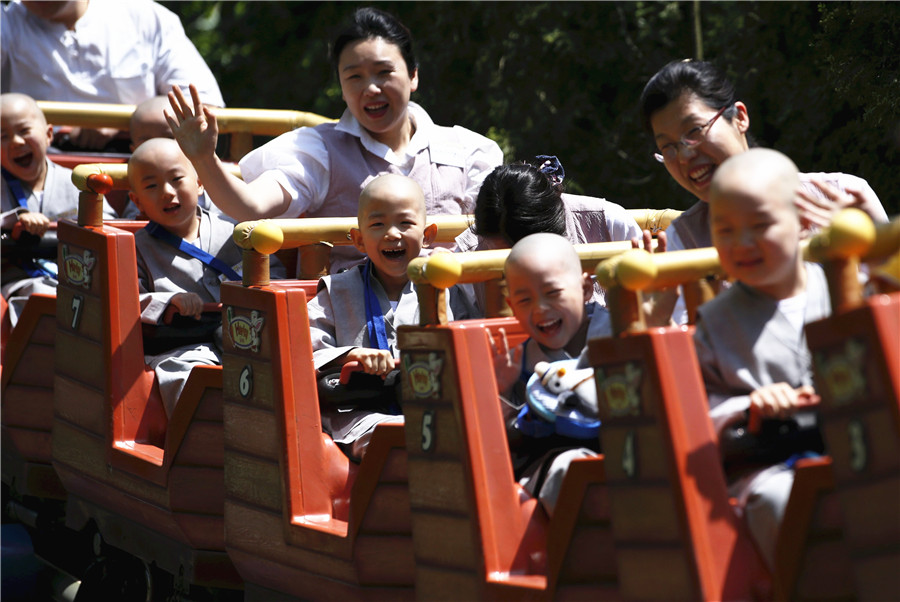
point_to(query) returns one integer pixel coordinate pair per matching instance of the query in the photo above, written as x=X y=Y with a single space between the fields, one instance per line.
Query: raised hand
x=193 y=124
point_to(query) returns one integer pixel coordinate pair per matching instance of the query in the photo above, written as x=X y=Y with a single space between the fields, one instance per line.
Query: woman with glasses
x=697 y=122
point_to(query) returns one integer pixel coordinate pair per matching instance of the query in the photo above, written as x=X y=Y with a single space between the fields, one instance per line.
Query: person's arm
x=819 y=199
x=178 y=62
x=196 y=132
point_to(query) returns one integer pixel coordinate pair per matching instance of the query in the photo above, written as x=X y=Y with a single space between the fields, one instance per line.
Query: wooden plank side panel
x=863 y=442
x=202 y=445
x=446 y=491
x=30 y=445
x=82 y=454
x=646 y=514
x=35 y=364
x=255 y=435
x=262 y=393
x=79 y=404
x=202 y=531
x=388 y=511
x=872 y=514
x=451 y=542
x=826 y=572
x=384 y=560
x=444 y=584
x=670 y=578
x=80 y=359
x=591 y=556
x=28 y=406
x=260 y=533
x=253 y=481
x=196 y=489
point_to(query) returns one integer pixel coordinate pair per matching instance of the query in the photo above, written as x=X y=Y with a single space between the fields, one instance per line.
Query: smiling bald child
x=750 y=339
x=355 y=314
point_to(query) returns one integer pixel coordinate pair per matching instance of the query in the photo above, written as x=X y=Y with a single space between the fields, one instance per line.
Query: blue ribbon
x=553 y=168
x=374 y=315
x=29 y=265
x=158 y=232
x=16 y=186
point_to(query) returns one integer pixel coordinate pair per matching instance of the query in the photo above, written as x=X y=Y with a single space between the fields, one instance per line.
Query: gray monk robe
x=163 y=272
x=58 y=200
x=745 y=341
x=337 y=323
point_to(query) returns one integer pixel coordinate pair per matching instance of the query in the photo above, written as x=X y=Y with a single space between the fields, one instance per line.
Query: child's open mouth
x=171 y=208
x=394 y=254
x=550 y=326
x=24 y=160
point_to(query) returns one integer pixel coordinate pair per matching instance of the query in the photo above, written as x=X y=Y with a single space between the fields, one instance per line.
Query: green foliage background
x=821 y=80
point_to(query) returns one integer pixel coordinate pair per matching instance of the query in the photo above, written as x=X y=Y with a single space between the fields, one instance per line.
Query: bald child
x=750 y=339
x=34 y=193
x=183 y=256
x=355 y=314
x=551 y=298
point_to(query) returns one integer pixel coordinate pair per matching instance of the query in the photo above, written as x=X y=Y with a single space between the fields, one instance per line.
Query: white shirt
x=298 y=160
x=121 y=52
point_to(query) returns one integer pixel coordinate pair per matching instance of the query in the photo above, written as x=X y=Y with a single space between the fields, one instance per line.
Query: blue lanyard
x=157 y=231
x=29 y=265
x=374 y=315
x=16 y=186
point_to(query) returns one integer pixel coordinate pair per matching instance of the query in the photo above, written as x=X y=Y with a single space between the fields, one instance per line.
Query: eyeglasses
x=690 y=139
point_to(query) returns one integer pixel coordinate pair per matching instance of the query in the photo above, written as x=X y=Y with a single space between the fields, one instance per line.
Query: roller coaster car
x=301 y=520
x=477 y=534
x=28 y=402
x=856 y=358
x=676 y=533
x=27 y=393
x=151 y=486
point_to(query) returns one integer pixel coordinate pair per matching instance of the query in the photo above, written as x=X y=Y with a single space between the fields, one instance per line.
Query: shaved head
x=148 y=121
x=158 y=150
x=14 y=102
x=551 y=249
x=391 y=186
x=760 y=171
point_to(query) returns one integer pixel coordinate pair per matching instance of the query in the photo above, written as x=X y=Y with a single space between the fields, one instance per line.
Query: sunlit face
x=392 y=232
x=694 y=168
x=376 y=85
x=165 y=187
x=547 y=301
x=757 y=236
x=24 y=138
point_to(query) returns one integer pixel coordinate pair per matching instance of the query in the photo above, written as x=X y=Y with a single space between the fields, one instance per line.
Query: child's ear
x=588 y=286
x=134 y=199
x=357 y=240
x=430 y=233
